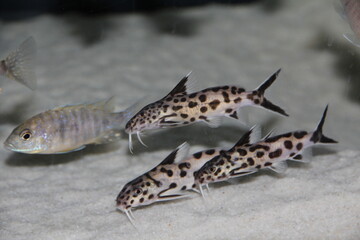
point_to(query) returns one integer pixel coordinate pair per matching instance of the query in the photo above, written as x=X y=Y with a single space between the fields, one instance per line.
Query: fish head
x=139 y=192
x=153 y=116
x=28 y=137
x=213 y=170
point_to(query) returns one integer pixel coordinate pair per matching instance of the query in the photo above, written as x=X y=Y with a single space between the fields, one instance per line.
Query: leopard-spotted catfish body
x=247 y=157
x=167 y=181
x=69 y=128
x=178 y=108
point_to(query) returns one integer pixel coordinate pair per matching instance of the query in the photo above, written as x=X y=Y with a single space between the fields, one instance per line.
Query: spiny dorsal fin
x=177 y=155
x=252 y=136
x=107 y=104
x=181 y=87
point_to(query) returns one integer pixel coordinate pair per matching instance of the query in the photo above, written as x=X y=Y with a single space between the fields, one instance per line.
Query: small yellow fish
x=19 y=64
x=69 y=128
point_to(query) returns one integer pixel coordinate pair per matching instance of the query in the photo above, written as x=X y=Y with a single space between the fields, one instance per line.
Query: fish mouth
x=11 y=147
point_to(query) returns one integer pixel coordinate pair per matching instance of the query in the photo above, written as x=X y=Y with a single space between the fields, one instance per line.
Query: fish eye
x=212 y=169
x=25 y=134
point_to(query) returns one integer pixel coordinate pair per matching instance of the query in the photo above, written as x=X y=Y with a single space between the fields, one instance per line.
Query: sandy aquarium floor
x=131 y=56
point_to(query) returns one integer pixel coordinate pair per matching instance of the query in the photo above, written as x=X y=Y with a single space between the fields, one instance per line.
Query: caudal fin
x=318 y=135
x=19 y=64
x=266 y=103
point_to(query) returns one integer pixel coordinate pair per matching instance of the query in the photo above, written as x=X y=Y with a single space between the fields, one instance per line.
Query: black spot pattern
x=237 y=100
x=242 y=152
x=214 y=104
x=259 y=154
x=267 y=164
x=197 y=155
x=254 y=148
x=250 y=161
x=276 y=153
x=176 y=108
x=192 y=95
x=169 y=173
x=183 y=115
x=203 y=109
x=299 y=134
x=226 y=97
x=183 y=173
x=210 y=152
x=192 y=104
x=288 y=144
x=202 y=98
x=299 y=146
x=184 y=165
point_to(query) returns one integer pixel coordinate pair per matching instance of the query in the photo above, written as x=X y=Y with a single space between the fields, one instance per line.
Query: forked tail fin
x=318 y=135
x=266 y=103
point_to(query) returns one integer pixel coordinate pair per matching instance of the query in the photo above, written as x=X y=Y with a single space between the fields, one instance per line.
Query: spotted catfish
x=167 y=181
x=178 y=108
x=247 y=157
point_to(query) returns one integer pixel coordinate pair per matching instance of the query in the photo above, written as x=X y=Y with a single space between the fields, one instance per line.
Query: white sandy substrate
x=71 y=196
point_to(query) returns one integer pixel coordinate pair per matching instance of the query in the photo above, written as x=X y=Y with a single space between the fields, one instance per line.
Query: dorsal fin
x=181 y=87
x=250 y=137
x=107 y=104
x=177 y=155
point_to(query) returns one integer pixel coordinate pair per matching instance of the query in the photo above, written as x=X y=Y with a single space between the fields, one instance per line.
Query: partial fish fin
x=266 y=103
x=270 y=133
x=318 y=135
x=238 y=172
x=255 y=135
x=71 y=150
x=19 y=64
x=180 y=88
x=251 y=136
x=125 y=115
x=352 y=39
x=339 y=8
x=239 y=114
x=305 y=156
x=107 y=105
x=108 y=137
x=279 y=167
x=213 y=122
x=171 y=193
x=177 y=155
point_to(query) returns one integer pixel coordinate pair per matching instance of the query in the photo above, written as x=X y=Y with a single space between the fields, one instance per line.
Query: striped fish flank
x=67 y=129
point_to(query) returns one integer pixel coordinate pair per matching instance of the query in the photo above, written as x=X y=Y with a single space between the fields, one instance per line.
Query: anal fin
x=214 y=122
x=305 y=156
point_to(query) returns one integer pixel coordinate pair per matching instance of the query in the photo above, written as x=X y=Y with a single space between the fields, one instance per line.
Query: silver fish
x=178 y=108
x=19 y=64
x=167 y=181
x=247 y=157
x=67 y=129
